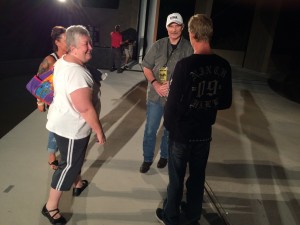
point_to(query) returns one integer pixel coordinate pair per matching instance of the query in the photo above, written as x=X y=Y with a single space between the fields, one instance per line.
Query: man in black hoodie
x=201 y=85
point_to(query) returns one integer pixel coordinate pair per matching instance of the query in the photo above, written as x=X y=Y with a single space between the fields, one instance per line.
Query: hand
x=165 y=88
x=101 y=139
x=41 y=106
x=161 y=89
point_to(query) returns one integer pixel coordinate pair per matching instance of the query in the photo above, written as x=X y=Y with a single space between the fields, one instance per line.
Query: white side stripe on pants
x=69 y=163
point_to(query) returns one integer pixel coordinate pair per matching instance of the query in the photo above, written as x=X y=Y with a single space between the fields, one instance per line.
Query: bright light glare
x=62 y=0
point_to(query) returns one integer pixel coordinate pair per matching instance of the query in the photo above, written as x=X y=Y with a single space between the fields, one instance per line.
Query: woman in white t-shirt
x=73 y=114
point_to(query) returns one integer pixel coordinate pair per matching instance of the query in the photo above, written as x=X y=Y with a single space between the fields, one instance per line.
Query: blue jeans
x=52 y=145
x=155 y=111
x=180 y=155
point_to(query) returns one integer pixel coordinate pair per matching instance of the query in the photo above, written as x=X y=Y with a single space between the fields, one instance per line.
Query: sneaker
x=126 y=67
x=145 y=167
x=159 y=215
x=162 y=163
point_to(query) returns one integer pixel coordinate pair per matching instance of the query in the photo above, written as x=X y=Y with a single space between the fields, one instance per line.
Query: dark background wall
x=232 y=23
x=26 y=24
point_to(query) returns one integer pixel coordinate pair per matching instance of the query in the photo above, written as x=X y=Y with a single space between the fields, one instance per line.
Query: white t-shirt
x=63 y=118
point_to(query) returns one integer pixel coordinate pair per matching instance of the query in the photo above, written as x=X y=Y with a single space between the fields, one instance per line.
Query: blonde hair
x=201 y=26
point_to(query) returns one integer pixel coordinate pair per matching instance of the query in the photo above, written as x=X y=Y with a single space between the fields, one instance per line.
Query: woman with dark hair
x=58 y=37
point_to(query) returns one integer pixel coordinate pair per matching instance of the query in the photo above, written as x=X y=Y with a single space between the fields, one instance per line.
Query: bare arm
x=45 y=65
x=82 y=101
x=161 y=89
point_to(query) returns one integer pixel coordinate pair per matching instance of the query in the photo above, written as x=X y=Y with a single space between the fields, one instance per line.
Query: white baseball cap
x=174 y=18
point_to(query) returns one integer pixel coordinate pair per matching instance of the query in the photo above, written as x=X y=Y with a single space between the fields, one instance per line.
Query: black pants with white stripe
x=72 y=156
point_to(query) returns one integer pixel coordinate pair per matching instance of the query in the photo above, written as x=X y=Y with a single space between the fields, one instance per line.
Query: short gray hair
x=73 y=33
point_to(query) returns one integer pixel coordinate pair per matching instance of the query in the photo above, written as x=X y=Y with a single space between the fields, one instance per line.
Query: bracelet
x=153 y=81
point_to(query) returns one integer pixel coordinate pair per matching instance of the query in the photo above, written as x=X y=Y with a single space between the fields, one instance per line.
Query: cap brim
x=177 y=22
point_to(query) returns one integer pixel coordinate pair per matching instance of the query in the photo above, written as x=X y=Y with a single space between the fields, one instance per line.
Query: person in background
x=128 y=51
x=116 y=50
x=158 y=65
x=72 y=115
x=58 y=37
x=201 y=85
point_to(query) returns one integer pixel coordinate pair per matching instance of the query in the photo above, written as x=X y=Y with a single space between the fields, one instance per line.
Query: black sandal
x=77 y=191
x=61 y=220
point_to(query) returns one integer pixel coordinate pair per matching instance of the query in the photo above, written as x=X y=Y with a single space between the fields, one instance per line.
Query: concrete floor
x=253 y=169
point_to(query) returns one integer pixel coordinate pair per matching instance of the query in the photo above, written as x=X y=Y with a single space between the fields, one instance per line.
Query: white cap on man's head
x=174 y=18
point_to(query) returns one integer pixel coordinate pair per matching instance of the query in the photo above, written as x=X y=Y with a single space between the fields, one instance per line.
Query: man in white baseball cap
x=158 y=65
x=174 y=18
